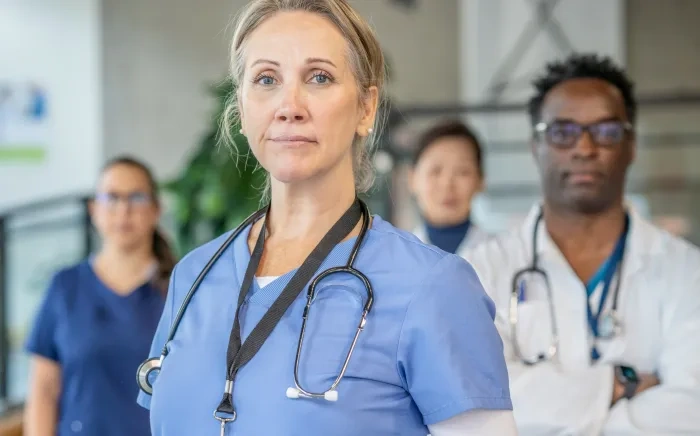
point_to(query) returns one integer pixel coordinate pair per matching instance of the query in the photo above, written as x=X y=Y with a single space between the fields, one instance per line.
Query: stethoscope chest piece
x=609 y=326
x=144 y=373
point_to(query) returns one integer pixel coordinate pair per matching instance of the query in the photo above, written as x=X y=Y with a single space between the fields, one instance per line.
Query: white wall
x=422 y=45
x=55 y=43
x=492 y=28
x=664 y=57
x=159 y=57
x=664 y=44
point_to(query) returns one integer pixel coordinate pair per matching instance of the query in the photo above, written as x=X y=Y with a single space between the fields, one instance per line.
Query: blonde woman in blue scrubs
x=447 y=174
x=310 y=76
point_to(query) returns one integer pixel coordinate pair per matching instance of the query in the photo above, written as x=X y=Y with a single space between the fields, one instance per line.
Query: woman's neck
x=308 y=212
x=300 y=216
x=446 y=225
x=448 y=237
x=124 y=270
x=131 y=258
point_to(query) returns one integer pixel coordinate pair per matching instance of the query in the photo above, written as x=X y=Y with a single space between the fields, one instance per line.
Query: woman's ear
x=368 y=111
x=91 y=208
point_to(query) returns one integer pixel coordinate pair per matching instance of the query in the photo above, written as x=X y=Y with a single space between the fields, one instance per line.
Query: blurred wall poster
x=24 y=130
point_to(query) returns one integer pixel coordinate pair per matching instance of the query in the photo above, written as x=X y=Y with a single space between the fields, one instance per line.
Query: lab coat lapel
x=642 y=248
x=420 y=233
x=642 y=244
x=475 y=236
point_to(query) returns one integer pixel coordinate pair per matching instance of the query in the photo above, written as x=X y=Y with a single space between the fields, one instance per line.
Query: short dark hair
x=449 y=128
x=582 y=66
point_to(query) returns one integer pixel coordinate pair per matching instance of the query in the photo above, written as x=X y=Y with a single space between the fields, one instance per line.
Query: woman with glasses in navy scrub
x=98 y=317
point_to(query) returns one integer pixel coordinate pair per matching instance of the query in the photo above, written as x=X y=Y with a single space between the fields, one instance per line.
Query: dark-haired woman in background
x=447 y=174
x=98 y=318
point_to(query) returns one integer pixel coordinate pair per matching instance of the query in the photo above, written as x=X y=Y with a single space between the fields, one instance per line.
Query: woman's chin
x=292 y=176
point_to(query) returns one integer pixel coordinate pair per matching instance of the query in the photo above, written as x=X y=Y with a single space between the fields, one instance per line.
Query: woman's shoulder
x=387 y=236
x=71 y=276
x=72 y=271
x=406 y=256
x=197 y=258
x=66 y=282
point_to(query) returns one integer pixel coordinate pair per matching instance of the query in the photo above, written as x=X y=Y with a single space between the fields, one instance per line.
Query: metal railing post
x=87 y=228
x=4 y=288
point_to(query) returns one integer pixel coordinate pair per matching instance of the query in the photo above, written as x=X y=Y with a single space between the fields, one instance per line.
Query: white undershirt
x=472 y=423
x=265 y=280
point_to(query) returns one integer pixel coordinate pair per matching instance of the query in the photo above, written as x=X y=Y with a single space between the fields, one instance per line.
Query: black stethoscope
x=239 y=354
x=607 y=328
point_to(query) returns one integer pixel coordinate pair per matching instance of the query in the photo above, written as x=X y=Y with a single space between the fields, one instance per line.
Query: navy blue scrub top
x=99 y=338
x=448 y=238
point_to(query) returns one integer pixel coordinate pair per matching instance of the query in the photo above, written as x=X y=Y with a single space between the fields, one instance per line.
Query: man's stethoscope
x=239 y=354
x=606 y=328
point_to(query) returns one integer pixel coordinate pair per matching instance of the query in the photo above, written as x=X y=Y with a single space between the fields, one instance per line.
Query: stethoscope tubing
x=154 y=364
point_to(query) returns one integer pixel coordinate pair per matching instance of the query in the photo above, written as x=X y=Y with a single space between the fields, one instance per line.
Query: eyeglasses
x=135 y=199
x=565 y=134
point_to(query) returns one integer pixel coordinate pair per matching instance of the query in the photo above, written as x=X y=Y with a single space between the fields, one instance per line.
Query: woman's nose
x=292 y=107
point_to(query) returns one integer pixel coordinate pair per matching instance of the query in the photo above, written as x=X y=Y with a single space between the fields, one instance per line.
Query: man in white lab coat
x=621 y=353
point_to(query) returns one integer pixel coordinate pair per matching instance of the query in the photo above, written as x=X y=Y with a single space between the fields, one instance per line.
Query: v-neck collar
x=267 y=295
x=135 y=294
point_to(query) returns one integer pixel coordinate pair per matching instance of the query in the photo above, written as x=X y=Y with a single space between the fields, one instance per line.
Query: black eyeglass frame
x=542 y=127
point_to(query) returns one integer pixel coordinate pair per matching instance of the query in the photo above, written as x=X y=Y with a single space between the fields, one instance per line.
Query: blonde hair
x=364 y=54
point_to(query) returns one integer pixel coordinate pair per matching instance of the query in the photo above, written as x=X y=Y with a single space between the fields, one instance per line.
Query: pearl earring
x=370 y=130
x=241 y=131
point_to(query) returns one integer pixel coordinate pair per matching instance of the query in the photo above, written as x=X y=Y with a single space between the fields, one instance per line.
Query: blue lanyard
x=605 y=275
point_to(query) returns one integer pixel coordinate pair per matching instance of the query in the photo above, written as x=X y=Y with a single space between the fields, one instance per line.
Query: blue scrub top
x=98 y=338
x=429 y=350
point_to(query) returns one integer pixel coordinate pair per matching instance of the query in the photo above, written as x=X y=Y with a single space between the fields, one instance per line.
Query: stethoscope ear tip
x=295 y=393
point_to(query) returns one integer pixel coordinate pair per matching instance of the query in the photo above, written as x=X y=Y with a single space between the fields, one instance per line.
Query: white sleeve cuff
x=477 y=423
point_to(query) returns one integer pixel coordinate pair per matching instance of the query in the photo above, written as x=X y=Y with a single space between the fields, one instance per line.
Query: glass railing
x=35 y=242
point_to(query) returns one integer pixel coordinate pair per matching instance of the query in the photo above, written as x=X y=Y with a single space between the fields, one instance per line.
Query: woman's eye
x=321 y=79
x=435 y=171
x=265 y=80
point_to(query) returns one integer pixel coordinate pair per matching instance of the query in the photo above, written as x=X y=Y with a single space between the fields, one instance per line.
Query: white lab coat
x=659 y=306
x=475 y=236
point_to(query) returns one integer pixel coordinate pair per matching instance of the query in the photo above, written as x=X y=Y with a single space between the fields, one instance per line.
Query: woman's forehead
x=289 y=38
